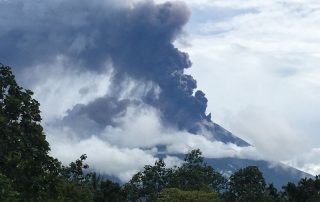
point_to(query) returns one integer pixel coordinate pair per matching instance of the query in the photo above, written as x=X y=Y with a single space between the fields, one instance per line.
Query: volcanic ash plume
x=64 y=50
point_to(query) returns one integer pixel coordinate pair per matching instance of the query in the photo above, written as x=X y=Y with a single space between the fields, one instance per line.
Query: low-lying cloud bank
x=121 y=145
x=308 y=161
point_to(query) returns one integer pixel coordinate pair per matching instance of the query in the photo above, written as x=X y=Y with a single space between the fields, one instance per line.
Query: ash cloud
x=95 y=35
x=136 y=39
x=66 y=46
x=93 y=117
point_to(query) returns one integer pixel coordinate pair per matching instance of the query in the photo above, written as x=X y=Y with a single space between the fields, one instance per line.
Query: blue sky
x=256 y=60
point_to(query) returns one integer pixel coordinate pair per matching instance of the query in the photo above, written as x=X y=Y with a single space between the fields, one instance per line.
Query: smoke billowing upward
x=142 y=48
x=137 y=39
x=110 y=81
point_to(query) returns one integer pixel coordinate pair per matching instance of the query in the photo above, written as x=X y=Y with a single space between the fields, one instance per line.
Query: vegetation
x=175 y=194
x=247 y=184
x=29 y=173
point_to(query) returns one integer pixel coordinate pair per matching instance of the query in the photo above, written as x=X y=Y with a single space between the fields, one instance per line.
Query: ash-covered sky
x=256 y=62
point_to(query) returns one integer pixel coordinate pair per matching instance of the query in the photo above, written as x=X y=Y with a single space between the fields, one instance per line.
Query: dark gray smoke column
x=137 y=40
x=142 y=48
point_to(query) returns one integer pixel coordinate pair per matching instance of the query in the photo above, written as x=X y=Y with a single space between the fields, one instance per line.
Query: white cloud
x=270 y=133
x=123 y=150
x=59 y=87
x=142 y=128
x=244 y=4
x=260 y=71
x=308 y=161
x=104 y=157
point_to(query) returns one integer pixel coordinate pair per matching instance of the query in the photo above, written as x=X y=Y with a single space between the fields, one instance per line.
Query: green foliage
x=70 y=191
x=306 y=190
x=272 y=194
x=74 y=184
x=109 y=191
x=148 y=183
x=177 y=195
x=74 y=172
x=194 y=174
x=247 y=184
x=23 y=149
x=7 y=193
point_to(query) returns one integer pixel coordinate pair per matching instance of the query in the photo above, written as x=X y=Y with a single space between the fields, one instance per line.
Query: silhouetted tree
x=147 y=184
x=247 y=184
x=176 y=195
x=307 y=189
x=24 y=150
x=7 y=193
x=109 y=191
x=194 y=174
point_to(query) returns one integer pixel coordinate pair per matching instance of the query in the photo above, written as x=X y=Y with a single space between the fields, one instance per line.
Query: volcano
x=132 y=43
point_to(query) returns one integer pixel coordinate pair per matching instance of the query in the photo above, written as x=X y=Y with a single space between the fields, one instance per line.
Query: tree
x=307 y=189
x=272 y=194
x=109 y=191
x=174 y=195
x=23 y=148
x=7 y=193
x=75 y=185
x=74 y=172
x=194 y=174
x=247 y=184
x=147 y=185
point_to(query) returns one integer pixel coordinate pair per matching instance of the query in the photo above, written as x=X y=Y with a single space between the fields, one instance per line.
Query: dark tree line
x=29 y=173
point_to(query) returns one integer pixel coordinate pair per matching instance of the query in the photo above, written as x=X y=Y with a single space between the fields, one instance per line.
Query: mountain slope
x=274 y=172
